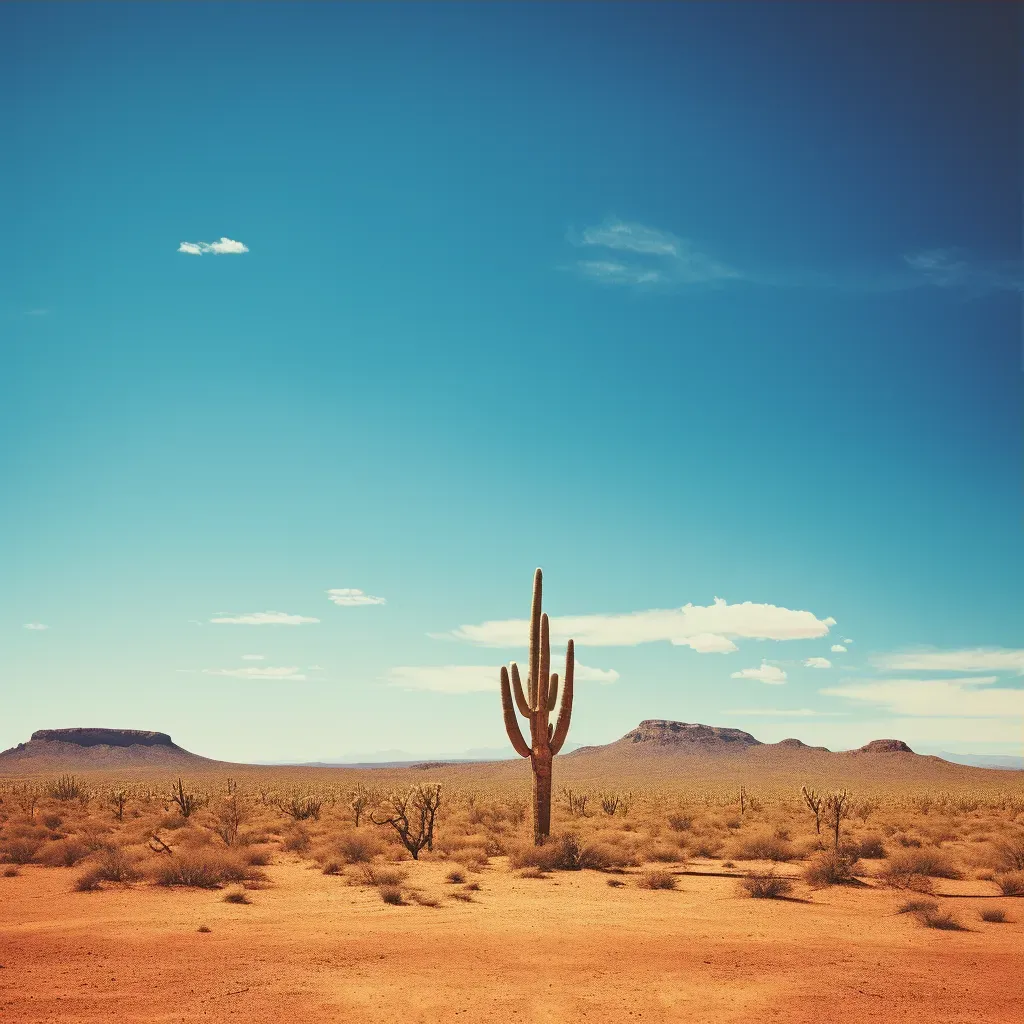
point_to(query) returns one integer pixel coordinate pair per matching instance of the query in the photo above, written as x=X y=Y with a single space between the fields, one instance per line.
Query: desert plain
x=687 y=878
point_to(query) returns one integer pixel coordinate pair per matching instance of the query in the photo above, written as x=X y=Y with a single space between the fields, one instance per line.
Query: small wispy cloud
x=703 y=628
x=37 y=312
x=965 y=697
x=263 y=619
x=223 y=247
x=36 y=626
x=475 y=678
x=349 y=597
x=973 y=659
x=838 y=649
x=765 y=673
x=254 y=657
x=646 y=255
x=785 y=713
x=627 y=253
x=255 y=672
x=818 y=662
x=951 y=268
x=847 y=640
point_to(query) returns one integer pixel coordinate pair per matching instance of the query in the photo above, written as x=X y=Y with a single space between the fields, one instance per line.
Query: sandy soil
x=568 y=947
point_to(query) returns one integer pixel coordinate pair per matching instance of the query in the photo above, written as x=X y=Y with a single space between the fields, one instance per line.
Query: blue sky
x=680 y=302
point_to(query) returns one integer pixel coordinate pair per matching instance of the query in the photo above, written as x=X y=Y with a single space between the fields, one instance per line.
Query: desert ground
x=691 y=898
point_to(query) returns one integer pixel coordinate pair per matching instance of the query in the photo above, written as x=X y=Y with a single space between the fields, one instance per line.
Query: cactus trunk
x=536 y=705
x=541 y=798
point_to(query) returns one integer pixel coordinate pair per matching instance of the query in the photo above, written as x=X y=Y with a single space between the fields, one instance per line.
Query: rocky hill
x=96 y=749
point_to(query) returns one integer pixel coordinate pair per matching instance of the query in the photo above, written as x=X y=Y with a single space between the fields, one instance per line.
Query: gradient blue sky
x=680 y=302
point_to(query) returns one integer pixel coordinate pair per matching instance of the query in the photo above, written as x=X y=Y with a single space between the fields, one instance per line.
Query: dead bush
x=357 y=847
x=656 y=880
x=763 y=847
x=1011 y=883
x=941 y=919
x=205 y=869
x=383 y=874
x=766 y=885
x=113 y=865
x=296 y=840
x=993 y=915
x=870 y=848
x=904 y=865
x=917 y=906
x=20 y=851
x=1010 y=853
x=391 y=894
x=64 y=853
x=831 y=867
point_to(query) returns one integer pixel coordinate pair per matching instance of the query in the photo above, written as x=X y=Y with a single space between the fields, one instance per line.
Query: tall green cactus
x=535 y=705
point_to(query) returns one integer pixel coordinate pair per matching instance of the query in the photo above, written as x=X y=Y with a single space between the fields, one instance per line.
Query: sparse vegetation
x=993 y=915
x=831 y=867
x=656 y=880
x=766 y=885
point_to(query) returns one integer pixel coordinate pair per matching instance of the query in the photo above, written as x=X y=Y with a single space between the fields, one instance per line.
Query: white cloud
x=647 y=255
x=315 y=668
x=838 y=649
x=36 y=626
x=263 y=619
x=256 y=672
x=702 y=627
x=475 y=678
x=817 y=663
x=975 y=659
x=586 y=674
x=349 y=597
x=783 y=713
x=254 y=657
x=771 y=674
x=969 y=697
x=707 y=643
x=949 y=268
x=847 y=640
x=226 y=246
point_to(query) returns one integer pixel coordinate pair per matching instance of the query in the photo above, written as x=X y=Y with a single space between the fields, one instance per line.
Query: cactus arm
x=517 y=689
x=531 y=682
x=565 y=711
x=511 y=722
x=541 y=703
x=553 y=692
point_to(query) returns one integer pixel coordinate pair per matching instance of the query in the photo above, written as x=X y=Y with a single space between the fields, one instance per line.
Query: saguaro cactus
x=535 y=705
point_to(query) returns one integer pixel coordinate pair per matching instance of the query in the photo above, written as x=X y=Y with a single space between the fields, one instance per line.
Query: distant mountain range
x=657 y=751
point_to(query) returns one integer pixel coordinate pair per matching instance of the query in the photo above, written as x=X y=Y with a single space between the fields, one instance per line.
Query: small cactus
x=535 y=705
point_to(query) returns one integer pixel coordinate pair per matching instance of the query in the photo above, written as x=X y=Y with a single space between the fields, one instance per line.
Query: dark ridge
x=884 y=747
x=105 y=737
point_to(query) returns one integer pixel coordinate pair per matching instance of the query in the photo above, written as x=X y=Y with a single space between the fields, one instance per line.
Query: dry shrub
x=20 y=850
x=656 y=879
x=832 y=867
x=296 y=840
x=64 y=853
x=870 y=848
x=11 y=872
x=1011 y=883
x=357 y=847
x=474 y=858
x=1010 y=853
x=383 y=875
x=391 y=894
x=941 y=919
x=237 y=896
x=660 y=853
x=706 y=847
x=906 y=865
x=257 y=856
x=332 y=867
x=763 y=847
x=993 y=915
x=205 y=869
x=113 y=865
x=680 y=822
x=533 y=872
x=455 y=876
x=424 y=900
x=766 y=885
x=52 y=821
x=616 y=883
x=917 y=907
